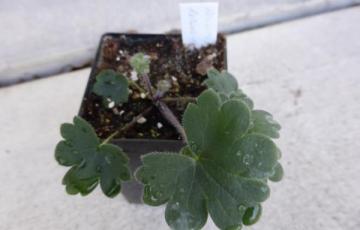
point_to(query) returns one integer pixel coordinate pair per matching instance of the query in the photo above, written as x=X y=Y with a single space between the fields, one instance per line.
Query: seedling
x=222 y=171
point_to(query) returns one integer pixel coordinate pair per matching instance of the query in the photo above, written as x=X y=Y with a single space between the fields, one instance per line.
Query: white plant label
x=199 y=23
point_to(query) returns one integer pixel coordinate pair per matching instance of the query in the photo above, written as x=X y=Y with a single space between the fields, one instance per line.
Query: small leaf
x=265 y=124
x=222 y=171
x=140 y=63
x=112 y=86
x=90 y=160
x=163 y=86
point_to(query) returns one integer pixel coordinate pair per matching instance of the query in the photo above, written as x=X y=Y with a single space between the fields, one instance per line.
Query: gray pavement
x=305 y=72
x=40 y=38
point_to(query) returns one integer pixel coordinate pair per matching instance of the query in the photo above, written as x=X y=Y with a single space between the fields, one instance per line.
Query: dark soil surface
x=170 y=60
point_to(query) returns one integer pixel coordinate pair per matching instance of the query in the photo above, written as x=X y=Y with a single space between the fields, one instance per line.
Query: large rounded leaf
x=223 y=171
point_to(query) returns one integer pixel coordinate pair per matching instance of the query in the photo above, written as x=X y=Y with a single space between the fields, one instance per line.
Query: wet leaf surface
x=91 y=162
x=223 y=171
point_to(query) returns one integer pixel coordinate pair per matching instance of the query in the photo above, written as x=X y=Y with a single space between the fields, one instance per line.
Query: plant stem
x=109 y=138
x=171 y=118
x=135 y=119
x=178 y=99
x=163 y=108
x=127 y=125
x=147 y=84
x=137 y=86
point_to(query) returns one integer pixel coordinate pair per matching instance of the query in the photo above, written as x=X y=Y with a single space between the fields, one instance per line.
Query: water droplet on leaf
x=108 y=159
x=241 y=208
x=264 y=189
x=114 y=190
x=82 y=164
x=92 y=186
x=252 y=215
x=193 y=146
x=277 y=173
x=248 y=159
x=61 y=160
x=158 y=195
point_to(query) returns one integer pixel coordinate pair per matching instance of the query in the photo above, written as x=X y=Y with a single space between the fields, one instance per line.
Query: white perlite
x=141 y=120
x=111 y=104
x=159 y=125
x=133 y=75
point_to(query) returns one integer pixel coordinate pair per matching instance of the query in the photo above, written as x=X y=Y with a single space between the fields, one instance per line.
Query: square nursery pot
x=182 y=66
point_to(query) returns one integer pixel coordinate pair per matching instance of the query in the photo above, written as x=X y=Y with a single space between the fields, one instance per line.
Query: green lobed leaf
x=112 y=86
x=91 y=162
x=240 y=95
x=265 y=124
x=226 y=85
x=222 y=172
x=170 y=177
x=222 y=82
x=140 y=63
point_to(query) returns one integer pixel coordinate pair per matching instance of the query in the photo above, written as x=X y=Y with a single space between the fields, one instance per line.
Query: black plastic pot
x=136 y=147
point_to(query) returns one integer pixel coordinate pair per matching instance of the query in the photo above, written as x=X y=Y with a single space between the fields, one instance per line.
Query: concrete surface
x=45 y=37
x=306 y=73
